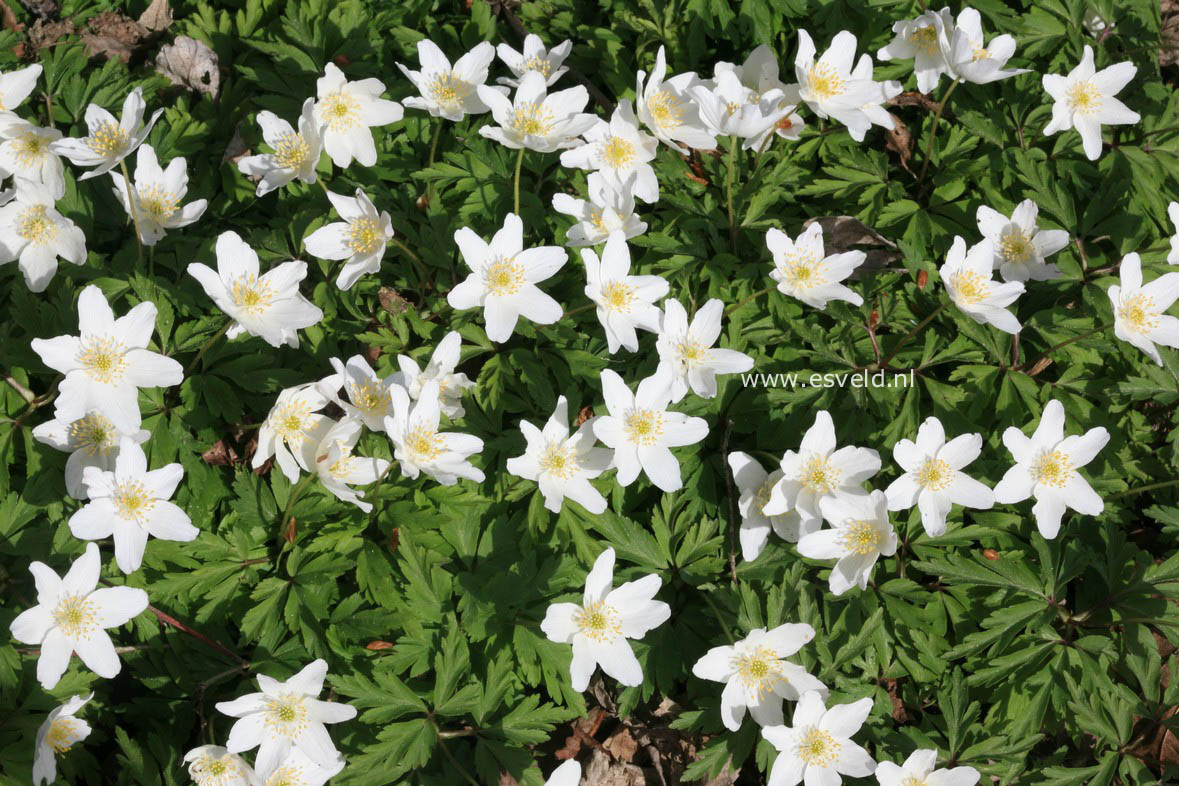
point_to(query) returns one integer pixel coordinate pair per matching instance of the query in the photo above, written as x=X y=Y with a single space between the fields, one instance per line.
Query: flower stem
x=733 y=144
x=578 y=310
x=1033 y=367
x=131 y=208
x=433 y=151
x=717 y=613
x=442 y=746
x=1152 y=487
x=519 y=165
x=909 y=336
x=933 y=131
x=752 y=297
x=415 y=259
x=205 y=347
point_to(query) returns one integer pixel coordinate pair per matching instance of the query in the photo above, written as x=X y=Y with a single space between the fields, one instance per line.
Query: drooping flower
x=606 y=211
x=1020 y=247
x=110 y=140
x=933 y=479
x=832 y=88
x=860 y=534
x=293 y=429
x=15 y=86
x=729 y=108
x=503 y=279
x=360 y=238
x=818 y=748
x=441 y=369
x=1046 y=467
x=1140 y=316
x=546 y=62
x=755 y=485
x=346 y=111
x=25 y=154
x=298 y=769
x=919 y=768
x=368 y=400
x=667 y=109
x=107 y=363
x=805 y=272
x=568 y=774
x=535 y=120
x=1084 y=100
x=212 y=765
x=599 y=627
x=268 y=306
x=967 y=278
x=92 y=441
x=339 y=469
x=624 y=302
x=73 y=615
x=816 y=472
x=450 y=92
x=642 y=431
x=620 y=152
x=286 y=716
x=968 y=59
x=34 y=235
x=562 y=464
x=923 y=40
x=686 y=354
x=60 y=732
x=157 y=194
x=420 y=447
x=294 y=154
x=756 y=675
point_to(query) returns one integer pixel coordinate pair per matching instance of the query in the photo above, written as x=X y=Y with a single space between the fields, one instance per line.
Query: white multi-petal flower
x=686 y=355
x=818 y=748
x=861 y=533
x=346 y=111
x=73 y=615
x=25 y=153
x=130 y=503
x=212 y=765
x=642 y=431
x=368 y=400
x=107 y=363
x=268 y=306
x=804 y=271
x=562 y=464
x=1173 y=214
x=420 y=447
x=831 y=87
x=1020 y=247
x=755 y=486
x=1084 y=100
x=60 y=732
x=568 y=774
x=15 y=86
x=286 y=716
x=446 y=91
x=599 y=627
x=503 y=279
x=298 y=769
x=816 y=472
x=759 y=74
x=534 y=119
x=535 y=57
x=360 y=238
x=933 y=479
x=968 y=59
x=667 y=109
x=923 y=40
x=157 y=195
x=729 y=108
x=1046 y=467
x=606 y=211
x=920 y=768
x=293 y=428
x=34 y=235
x=92 y=441
x=756 y=675
x=339 y=470
x=110 y=140
x=624 y=302
x=967 y=278
x=441 y=369
x=294 y=154
x=1140 y=310
x=620 y=152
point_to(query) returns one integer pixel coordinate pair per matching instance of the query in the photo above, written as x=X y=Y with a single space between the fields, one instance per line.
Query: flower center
x=1017 y=247
x=691 y=352
x=339 y=468
x=599 y=622
x=759 y=669
x=447 y=89
x=617 y=153
x=291 y=422
x=1084 y=98
x=31 y=148
x=341 y=111
x=644 y=426
x=924 y=39
x=286 y=715
x=76 y=616
x=250 y=294
x=369 y=396
x=538 y=64
x=289 y=775
x=970 y=287
x=1053 y=468
x=1139 y=313
x=108 y=140
x=424 y=443
x=103 y=359
x=157 y=202
x=818 y=748
x=861 y=538
x=618 y=296
x=559 y=461
x=62 y=734
x=291 y=151
x=665 y=110
x=365 y=236
x=825 y=82
x=762 y=495
x=92 y=433
x=207 y=771
x=133 y=502
x=504 y=277
x=533 y=119
x=803 y=270
x=935 y=474
x=819 y=476
x=980 y=53
x=914 y=780
x=35 y=226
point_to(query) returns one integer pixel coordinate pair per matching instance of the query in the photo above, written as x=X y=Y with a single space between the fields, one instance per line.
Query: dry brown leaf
x=221 y=454
x=622 y=745
x=391 y=301
x=899 y=140
x=157 y=16
x=190 y=63
x=43 y=33
x=603 y=770
x=113 y=36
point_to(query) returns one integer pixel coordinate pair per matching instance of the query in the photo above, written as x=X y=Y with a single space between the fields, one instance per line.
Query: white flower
x=832 y=88
x=568 y=774
x=686 y=355
x=60 y=732
x=1020 y=247
x=606 y=211
x=966 y=56
x=967 y=278
x=130 y=503
x=729 y=108
x=15 y=86
x=759 y=74
x=922 y=40
x=755 y=486
x=297 y=769
x=1084 y=100
x=338 y=469
x=757 y=677
x=535 y=120
x=933 y=479
x=1046 y=467
x=618 y=150
x=816 y=472
x=666 y=108
x=91 y=440
x=420 y=447
x=1172 y=213
x=546 y=62
x=503 y=279
x=294 y=154
x=803 y=271
x=34 y=234
x=599 y=627
x=107 y=363
x=346 y=110
x=369 y=401
x=642 y=431
x=561 y=464
x=212 y=765
x=919 y=768
x=860 y=534
x=109 y=140
x=268 y=306
x=441 y=369
x=818 y=747
x=157 y=195
x=72 y=615
x=360 y=238
x=286 y=716
x=293 y=429
x=625 y=302
x=25 y=153
x=1140 y=311
x=450 y=92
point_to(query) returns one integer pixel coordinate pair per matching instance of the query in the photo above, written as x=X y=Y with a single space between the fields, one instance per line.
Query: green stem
x=933 y=131
x=296 y=492
x=909 y=336
x=717 y=613
x=205 y=347
x=442 y=747
x=415 y=259
x=131 y=208
x=1141 y=489
x=578 y=310
x=433 y=151
x=1068 y=341
x=752 y=297
x=519 y=166
x=733 y=144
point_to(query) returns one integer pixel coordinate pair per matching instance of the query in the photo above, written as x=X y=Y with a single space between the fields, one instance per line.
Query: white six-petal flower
x=1020 y=247
x=1140 y=316
x=923 y=40
x=667 y=109
x=25 y=154
x=804 y=271
x=686 y=355
x=535 y=57
x=110 y=140
x=345 y=111
x=967 y=278
x=624 y=302
x=920 y=768
x=156 y=195
x=212 y=765
x=607 y=210
x=360 y=238
x=441 y=369
x=339 y=470
x=861 y=533
x=968 y=59
x=293 y=428
x=368 y=399
x=294 y=154
x=34 y=235
x=818 y=748
x=60 y=732
x=420 y=447
x=535 y=120
x=92 y=441
x=1084 y=100
x=618 y=150
x=831 y=87
x=450 y=92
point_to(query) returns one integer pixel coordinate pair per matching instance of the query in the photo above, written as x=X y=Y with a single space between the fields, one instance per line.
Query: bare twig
x=729 y=496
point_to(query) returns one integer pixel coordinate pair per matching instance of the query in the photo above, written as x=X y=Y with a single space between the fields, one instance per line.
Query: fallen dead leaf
x=237 y=148
x=392 y=301
x=42 y=8
x=113 y=36
x=899 y=713
x=44 y=32
x=603 y=770
x=157 y=16
x=221 y=454
x=190 y=63
x=622 y=745
x=899 y=140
